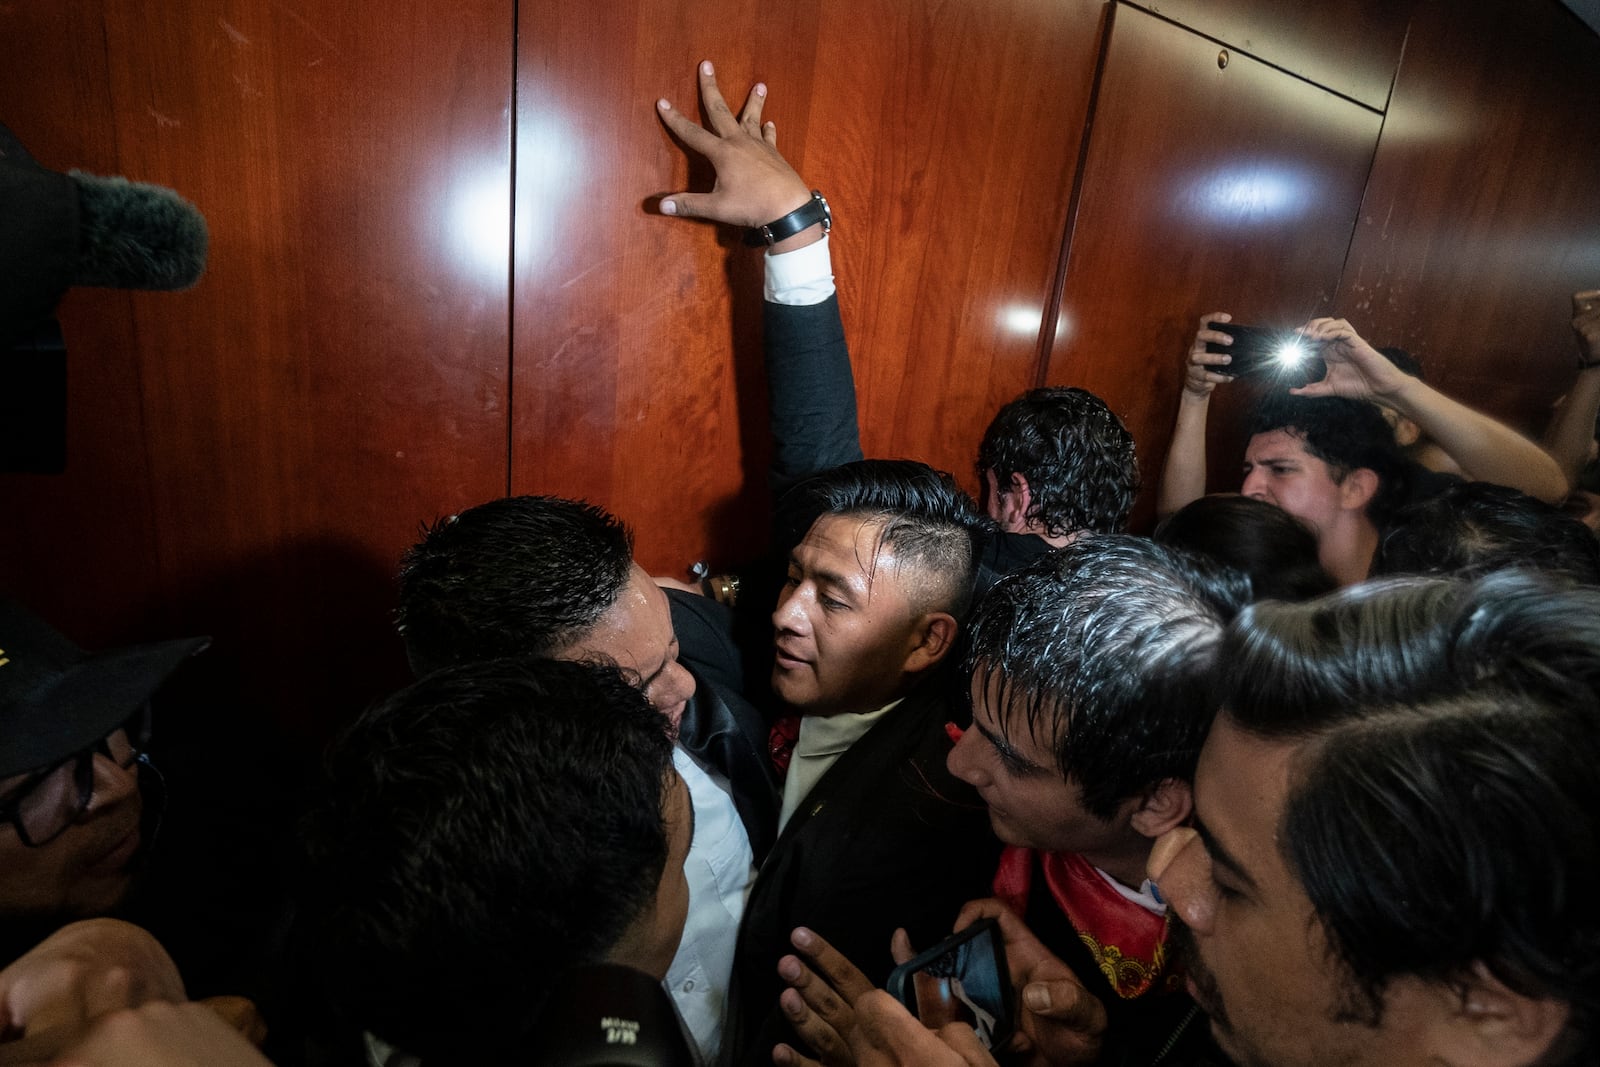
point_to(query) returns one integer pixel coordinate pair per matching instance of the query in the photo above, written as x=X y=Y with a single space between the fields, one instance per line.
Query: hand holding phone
x=1057 y=1020
x=962 y=979
x=1268 y=351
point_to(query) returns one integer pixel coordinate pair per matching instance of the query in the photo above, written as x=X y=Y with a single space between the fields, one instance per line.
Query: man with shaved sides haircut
x=875 y=832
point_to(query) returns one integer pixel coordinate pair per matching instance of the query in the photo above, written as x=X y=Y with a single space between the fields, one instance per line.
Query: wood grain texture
x=1204 y=189
x=1349 y=46
x=339 y=375
x=944 y=135
x=1482 y=215
x=958 y=129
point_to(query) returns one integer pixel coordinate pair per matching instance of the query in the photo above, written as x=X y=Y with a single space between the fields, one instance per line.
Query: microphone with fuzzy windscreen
x=61 y=230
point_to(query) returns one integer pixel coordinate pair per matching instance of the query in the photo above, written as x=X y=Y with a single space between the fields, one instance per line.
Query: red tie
x=780 y=742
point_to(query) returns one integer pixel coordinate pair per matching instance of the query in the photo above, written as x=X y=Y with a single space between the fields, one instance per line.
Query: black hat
x=57 y=700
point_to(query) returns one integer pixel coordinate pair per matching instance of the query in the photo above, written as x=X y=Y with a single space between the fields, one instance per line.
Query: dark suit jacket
x=887 y=838
x=811 y=394
x=720 y=726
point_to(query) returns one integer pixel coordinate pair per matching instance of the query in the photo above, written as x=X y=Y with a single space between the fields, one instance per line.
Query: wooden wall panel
x=944 y=135
x=1483 y=212
x=625 y=390
x=1204 y=189
x=1349 y=46
x=953 y=135
x=340 y=373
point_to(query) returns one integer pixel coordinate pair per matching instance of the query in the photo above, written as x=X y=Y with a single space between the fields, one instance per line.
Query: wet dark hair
x=1276 y=550
x=1473 y=528
x=1105 y=649
x=476 y=836
x=522 y=575
x=925 y=516
x=1346 y=434
x=1443 y=808
x=1077 y=456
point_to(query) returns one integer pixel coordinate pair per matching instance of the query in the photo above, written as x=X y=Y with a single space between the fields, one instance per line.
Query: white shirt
x=719 y=869
x=804 y=276
x=1144 y=896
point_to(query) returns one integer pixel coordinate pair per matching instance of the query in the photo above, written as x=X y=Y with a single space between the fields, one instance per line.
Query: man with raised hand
x=875 y=831
x=1054 y=463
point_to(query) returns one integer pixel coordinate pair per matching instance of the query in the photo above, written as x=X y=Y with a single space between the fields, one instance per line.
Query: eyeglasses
x=49 y=801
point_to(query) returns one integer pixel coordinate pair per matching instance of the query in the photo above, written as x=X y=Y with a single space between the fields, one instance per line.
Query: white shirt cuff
x=804 y=276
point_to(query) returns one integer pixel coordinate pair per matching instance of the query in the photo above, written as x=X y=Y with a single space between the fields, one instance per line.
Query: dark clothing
x=1163 y=1027
x=1421 y=484
x=886 y=838
x=811 y=393
x=1007 y=553
x=720 y=727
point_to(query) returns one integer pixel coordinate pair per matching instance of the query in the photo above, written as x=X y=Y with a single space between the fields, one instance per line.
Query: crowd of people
x=1306 y=777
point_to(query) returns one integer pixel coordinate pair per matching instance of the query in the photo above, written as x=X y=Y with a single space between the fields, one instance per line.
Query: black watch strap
x=810 y=213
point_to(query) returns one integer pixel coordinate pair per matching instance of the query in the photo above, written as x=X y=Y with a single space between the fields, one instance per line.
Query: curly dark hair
x=1077 y=456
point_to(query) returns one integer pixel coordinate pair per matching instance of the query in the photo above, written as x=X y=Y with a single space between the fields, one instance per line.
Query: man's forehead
x=847 y=546
x=1240 y=786
x=638 y=624
x=1274 y=444
x=1005 y=707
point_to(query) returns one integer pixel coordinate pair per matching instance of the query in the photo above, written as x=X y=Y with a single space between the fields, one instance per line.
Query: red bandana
x=1127 y=941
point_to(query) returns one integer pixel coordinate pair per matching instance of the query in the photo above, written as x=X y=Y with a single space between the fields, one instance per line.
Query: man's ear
x=1489 y=1025
x=1012 y=501
x=1358 y=489
x=934 y=637
x=1166 y=807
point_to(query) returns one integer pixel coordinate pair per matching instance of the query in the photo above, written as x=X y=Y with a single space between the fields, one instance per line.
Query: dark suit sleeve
x=707 y=641
x=810 y=391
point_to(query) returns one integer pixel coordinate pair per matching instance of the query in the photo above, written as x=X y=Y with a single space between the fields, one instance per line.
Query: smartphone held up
x=961 y=979
x=1268 y=351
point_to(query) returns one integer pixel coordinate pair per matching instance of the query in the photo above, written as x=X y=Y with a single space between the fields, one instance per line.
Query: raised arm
x=1486 y=450
x=811 y=391
x=1571 y=430
x=1183 y=475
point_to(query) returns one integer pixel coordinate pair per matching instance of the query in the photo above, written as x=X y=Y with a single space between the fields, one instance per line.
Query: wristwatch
x=810 y=213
